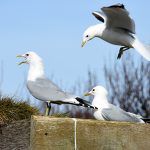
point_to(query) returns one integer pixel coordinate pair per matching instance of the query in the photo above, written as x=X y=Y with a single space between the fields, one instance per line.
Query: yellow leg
x=48 y=108
x=46 y=111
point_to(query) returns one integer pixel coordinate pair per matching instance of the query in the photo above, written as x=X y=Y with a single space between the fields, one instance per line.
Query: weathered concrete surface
x=51 y=133
x=15 y=136
x=58 y=134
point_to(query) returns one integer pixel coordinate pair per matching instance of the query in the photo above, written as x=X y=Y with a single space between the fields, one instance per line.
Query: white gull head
x=92 y=32
x=98 y=91
x=36 y=67
x=100 y=97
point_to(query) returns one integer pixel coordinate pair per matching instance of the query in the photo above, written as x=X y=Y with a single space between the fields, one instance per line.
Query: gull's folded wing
x=45 y=89
x=116 y=114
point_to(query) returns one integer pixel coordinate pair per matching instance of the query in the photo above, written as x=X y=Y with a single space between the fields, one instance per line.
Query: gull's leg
x=48 y=108
x=122 y=49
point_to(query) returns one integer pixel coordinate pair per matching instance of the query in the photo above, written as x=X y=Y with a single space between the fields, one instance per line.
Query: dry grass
x=12 y=110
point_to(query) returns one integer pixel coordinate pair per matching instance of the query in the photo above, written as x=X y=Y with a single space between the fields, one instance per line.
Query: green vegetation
x=12 y=110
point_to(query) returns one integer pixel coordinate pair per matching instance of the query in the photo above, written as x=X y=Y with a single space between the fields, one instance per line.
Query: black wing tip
x=93 y=107
x=117 y=6
x=84 y=103
x=146 y=120
x=96 y=14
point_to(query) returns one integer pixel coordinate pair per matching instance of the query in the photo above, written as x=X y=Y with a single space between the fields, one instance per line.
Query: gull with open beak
x=22 y=62
x=44 y=89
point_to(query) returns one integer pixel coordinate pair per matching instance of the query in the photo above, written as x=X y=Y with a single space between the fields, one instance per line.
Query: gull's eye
x=27 y=54
x=93 y=90
x=87 y=36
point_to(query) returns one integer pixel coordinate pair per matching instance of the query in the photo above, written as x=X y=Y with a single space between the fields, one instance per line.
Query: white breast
x=97 y=114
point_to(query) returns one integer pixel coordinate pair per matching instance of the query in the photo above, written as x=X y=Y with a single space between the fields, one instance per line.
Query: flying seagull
x=117 y=28
x=107 y=111
x=44 y=89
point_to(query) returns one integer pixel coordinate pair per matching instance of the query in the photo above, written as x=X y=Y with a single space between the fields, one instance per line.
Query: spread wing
x=116 y=16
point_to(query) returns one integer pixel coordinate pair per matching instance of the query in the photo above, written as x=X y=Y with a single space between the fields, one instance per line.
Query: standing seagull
x=117 y=28
x=44 y=89
x=107 y=111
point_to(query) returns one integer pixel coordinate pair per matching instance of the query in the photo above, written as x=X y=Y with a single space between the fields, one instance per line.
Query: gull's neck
x=36 y=70
x=100 y=101
x=98 y=29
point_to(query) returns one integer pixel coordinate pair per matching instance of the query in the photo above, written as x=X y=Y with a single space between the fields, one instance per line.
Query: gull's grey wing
x=118 y=17
x=46 y=90
x=115 y=113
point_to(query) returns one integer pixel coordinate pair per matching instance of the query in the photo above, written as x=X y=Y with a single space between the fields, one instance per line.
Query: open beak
x=83 y=43
x=23 y=62
x=87 y=94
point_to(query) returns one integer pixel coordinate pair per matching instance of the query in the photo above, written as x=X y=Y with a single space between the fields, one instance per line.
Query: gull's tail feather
x=137 y=116
x=143 y=49
x=143 y=120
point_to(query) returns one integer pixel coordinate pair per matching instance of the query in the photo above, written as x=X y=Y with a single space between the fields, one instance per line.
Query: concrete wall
x=80 y=134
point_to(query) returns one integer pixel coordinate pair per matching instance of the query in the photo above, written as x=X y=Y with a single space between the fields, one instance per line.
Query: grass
x=12 y=110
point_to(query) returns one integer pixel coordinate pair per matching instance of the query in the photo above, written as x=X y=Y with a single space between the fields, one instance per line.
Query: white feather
x=143 y=49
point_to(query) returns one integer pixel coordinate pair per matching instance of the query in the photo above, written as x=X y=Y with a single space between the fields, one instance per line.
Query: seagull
x=44 y=89
x=110 y=112
x=117 y=28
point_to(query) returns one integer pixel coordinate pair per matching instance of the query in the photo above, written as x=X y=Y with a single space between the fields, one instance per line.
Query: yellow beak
x=23 y=62
x=87 y=94
x=83 y=43
x=18 y=56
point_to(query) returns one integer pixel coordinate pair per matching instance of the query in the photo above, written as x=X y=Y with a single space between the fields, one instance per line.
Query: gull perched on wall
x=118 y=28
x=44 y=89
x=107 y=111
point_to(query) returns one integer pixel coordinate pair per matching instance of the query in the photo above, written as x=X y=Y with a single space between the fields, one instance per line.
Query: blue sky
x=54 y=30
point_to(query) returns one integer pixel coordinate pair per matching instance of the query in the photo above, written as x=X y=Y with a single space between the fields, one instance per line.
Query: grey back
x=45 y=90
